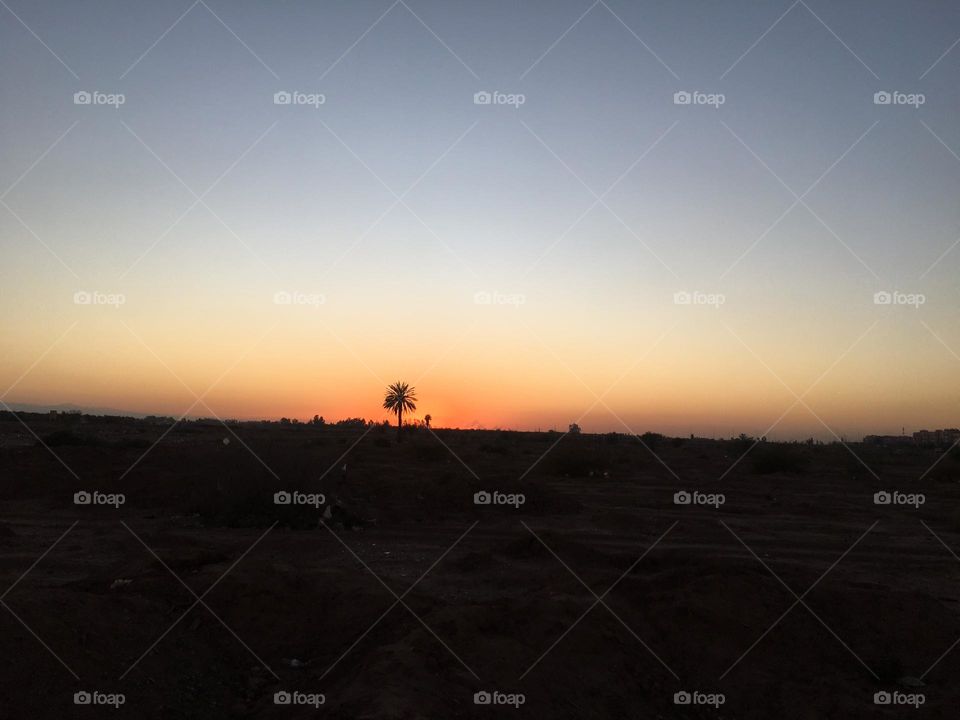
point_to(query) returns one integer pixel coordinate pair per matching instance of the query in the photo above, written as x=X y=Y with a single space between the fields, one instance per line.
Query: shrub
x=773 y=458
x=497 y=448
x=357 y=423
x=651 y=439
x=60 y=438
x=433 y=452
x=248 y=503
x=574 y=457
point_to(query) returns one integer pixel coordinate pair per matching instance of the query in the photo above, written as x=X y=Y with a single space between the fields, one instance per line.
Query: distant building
x=937 y=438
x=886 y=440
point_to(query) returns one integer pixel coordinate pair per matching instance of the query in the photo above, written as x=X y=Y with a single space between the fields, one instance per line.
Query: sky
x=778 y=256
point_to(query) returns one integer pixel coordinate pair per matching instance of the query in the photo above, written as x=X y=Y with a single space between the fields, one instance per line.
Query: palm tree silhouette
x=399 y=397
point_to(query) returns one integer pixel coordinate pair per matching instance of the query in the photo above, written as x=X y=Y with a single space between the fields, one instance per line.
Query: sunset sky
x=520 y=264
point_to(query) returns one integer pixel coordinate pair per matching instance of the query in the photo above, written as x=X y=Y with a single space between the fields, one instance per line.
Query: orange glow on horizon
x=498 y=374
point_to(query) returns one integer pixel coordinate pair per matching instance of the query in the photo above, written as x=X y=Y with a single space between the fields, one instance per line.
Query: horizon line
x=85 y=411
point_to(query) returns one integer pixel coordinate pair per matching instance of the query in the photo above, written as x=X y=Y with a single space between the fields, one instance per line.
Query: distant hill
x=70 y=407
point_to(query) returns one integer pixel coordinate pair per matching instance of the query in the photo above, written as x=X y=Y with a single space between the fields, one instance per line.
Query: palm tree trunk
x=399 y=421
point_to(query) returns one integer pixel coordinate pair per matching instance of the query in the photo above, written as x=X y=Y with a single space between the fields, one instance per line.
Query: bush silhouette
x=773 y=458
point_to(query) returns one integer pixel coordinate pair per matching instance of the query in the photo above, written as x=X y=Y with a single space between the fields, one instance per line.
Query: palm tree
x=399 y=397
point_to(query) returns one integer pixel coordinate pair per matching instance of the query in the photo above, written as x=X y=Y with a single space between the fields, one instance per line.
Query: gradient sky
x=494 y=199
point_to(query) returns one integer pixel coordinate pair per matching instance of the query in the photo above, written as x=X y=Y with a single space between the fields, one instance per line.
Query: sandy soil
x=598 y=597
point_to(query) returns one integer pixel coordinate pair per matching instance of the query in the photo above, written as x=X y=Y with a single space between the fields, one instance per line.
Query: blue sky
x=497 y=198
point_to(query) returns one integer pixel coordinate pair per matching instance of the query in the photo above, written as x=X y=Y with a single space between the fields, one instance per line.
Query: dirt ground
x=597 y=597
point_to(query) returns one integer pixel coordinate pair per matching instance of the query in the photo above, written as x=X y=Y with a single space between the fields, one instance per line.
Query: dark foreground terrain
x=598 y=597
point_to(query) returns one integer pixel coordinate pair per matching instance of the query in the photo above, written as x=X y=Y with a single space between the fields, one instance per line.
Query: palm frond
x=400 y=396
